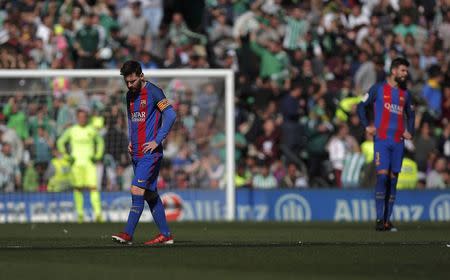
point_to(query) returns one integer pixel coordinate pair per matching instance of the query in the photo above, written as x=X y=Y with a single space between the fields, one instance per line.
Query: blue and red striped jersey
x=144 y=111
x=390 y=104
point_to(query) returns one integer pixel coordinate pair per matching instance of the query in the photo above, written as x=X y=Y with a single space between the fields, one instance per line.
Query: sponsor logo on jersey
x=394 y=108
x=138 y=116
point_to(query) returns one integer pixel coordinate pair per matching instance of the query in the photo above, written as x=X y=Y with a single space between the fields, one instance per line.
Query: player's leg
x=390 y=200
x=388 y=184
x=159 y=216
x=140 y=168
x=91 y=183
x=154 y=200
x=96 y=203
x=79 y=202
x=396 y=166
x=78 y=184
x=156 y=207
x=381 y=159
x=137 y=206
x=386 y=196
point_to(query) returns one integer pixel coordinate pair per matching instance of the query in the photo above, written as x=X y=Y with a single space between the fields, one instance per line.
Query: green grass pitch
x=227 y=251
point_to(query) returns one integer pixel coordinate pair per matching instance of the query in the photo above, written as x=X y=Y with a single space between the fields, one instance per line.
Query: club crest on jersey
x=394 y=108
x=143 y=103
x=138 y=116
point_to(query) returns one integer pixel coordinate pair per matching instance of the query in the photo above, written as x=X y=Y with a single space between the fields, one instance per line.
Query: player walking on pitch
x=391 y=102
x=150 y=118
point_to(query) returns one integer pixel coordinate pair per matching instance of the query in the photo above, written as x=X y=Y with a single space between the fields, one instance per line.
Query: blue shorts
x=146 y=170
x=388 y=155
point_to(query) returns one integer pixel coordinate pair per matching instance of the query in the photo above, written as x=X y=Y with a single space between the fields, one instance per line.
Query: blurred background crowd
x=300 y=69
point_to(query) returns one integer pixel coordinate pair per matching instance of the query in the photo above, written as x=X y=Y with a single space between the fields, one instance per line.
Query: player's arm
x=100 y=146
x=366 y=101
x=168 y=119
x=410 y=118
x=61 y=143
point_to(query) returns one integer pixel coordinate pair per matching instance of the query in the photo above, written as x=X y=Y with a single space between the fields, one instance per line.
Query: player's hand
x=95 y=160
x=149 y=147
x=371 y=130
x=70 y=159
x=130 y=148
x=407 y=135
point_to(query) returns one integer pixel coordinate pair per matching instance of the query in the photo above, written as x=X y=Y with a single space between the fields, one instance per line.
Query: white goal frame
x=227 y=74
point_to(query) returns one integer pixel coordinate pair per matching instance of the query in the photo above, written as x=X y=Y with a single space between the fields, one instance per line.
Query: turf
x=227 y=251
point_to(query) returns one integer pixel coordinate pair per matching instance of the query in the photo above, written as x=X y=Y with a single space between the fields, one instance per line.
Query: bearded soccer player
x=393 y=123
x=150 y=118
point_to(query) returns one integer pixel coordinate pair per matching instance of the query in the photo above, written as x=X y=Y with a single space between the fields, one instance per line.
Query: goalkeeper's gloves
x=70 y=159
x=95 y=159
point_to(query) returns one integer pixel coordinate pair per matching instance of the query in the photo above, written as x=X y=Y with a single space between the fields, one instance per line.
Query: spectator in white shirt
x=264 y=180
x=339 y=146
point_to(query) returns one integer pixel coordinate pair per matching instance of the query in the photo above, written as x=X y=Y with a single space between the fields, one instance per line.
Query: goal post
x=225 y=74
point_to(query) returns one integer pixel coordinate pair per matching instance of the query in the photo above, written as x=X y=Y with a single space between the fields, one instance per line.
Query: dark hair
x=136 y=3
x=434 y=71
x=130 y=67
x=399 y=61
x=82 y=109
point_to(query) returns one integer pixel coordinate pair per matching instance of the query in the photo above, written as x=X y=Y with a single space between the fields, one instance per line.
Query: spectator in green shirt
x=406 y=26
x=87 y=41
x=16 y=119
x=274 y=61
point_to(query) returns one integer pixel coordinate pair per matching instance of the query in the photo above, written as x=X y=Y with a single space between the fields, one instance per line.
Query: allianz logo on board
x=292 y=207
x=440 y=208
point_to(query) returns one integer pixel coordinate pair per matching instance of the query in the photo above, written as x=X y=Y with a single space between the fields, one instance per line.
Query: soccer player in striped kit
x=391 y=103
x=150 y=118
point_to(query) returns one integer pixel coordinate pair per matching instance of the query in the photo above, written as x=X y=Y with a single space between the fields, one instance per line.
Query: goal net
x=39 y=105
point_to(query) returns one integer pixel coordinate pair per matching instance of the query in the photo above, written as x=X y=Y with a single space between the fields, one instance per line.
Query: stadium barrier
x=251 y=205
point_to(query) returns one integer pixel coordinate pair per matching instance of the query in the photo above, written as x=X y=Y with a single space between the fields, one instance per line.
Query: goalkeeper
x=86 y=149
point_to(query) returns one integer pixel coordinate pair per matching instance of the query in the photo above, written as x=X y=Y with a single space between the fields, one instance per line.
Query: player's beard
x=137 y=88
x=401 y=82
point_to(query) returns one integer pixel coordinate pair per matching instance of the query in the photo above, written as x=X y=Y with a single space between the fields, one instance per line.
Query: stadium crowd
x=300 y=67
